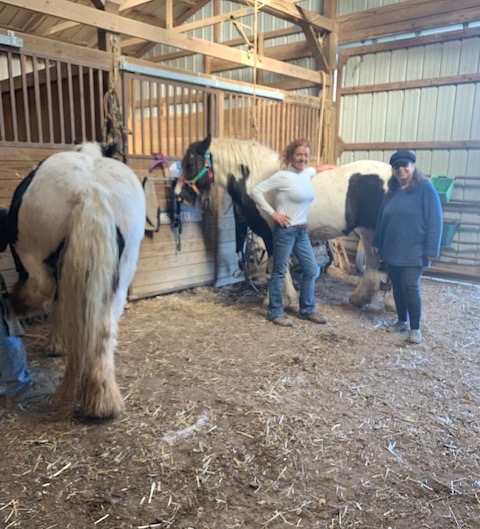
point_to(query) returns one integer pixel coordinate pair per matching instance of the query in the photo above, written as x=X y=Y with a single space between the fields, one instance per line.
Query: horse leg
x=99 y=393
x=369 y=287
x=55 y=346
x=290 y=295
x=30 y=295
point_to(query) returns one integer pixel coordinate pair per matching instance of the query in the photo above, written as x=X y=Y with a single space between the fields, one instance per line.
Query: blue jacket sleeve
x=433 y=217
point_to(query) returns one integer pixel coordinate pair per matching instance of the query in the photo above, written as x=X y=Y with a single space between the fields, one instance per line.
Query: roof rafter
x=287 y=10
x=125 y=26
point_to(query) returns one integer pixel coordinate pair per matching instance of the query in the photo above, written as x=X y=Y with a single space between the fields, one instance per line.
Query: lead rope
x=251 y=259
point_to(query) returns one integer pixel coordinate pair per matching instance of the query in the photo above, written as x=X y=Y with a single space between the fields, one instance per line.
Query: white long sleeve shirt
x=289 y=192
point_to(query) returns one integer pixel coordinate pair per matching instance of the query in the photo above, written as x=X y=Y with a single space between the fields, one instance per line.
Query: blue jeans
x=286 y=241
x=406 y=292
x=13 y=361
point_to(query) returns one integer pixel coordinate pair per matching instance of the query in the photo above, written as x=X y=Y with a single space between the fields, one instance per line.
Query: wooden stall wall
x=163 y=117
x=53 y=95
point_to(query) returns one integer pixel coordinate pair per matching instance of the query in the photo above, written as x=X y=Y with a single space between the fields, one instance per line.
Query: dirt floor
x=233 y=422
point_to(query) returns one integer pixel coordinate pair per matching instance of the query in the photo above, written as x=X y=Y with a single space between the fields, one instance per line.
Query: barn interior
x=358 y=79
x=334 y=429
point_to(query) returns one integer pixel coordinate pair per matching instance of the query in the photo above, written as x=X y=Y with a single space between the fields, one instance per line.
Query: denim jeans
x=13 y=361
x=286 y=241
x=406 y=292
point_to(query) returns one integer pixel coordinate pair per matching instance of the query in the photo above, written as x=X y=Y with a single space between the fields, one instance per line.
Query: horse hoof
x=88 y=419
x=357 y=301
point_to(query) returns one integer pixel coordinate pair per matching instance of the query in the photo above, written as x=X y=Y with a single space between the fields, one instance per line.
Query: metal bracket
x=10 y=39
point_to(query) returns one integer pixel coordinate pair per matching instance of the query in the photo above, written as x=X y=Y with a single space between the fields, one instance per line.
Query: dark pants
x=406 y=292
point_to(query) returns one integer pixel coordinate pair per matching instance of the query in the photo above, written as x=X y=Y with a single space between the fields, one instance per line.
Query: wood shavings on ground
x=232 y=422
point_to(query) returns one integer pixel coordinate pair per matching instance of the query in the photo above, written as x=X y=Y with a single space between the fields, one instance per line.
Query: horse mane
x=230 y=154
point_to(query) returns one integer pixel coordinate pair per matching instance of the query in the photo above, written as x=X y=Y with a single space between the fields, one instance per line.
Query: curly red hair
x=292 y=147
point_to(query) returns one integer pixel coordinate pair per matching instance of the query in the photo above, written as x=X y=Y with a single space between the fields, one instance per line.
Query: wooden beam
x=213 y=20
x=287 y=10
x=315 y=47
x=408 y=43
x=414 y=145
x=168 y=14
x=406 y=17
x=410 y=85
x=291 y=84
x=286 y=52
x=130 y=4
x=123 y=26
x=58 y=28
x=231 y=43
x=190 y=12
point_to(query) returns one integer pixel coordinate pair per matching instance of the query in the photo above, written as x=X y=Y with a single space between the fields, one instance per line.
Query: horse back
x=347 y=197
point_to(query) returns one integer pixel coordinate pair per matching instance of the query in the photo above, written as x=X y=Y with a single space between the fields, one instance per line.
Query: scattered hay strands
x=233 y=423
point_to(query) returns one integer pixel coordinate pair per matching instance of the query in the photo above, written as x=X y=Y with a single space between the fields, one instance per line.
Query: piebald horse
x=348 y=197
x=75 y=226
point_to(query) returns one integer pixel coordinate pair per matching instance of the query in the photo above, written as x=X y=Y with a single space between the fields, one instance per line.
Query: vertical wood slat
x=13 y=109
x=167 y=117
x=48 y=79
x=82 y=104
x=133 y=113
x=70 y=102
x=175 y=121
x=182 y=120
x=142 y=116
x=26 y=109
x=36 y=91
x=61 y=107
x=160 y=87
x=2 y=119
x=91 y=88
x=150 y=118
x=191 y=107
x=99 y=97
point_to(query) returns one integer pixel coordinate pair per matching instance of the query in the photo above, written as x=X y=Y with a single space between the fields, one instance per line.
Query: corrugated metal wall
x=385 y=103
x=346 y=7
x=427 y=98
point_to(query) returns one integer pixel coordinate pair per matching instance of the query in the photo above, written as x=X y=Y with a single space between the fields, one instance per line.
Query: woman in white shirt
x=290 y=194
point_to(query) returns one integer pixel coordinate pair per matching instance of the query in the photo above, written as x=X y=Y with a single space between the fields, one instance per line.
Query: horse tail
x=88 y=276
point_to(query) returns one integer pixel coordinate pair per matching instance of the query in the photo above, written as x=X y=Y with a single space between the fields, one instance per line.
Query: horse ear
x=205 y=144
x=110 y=150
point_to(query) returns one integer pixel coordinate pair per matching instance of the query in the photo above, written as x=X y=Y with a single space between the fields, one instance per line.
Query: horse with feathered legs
x=75 y=226
x=348 y=197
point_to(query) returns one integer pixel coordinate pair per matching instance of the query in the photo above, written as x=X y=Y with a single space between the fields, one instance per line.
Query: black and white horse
x=75 y=226
x=348 y=197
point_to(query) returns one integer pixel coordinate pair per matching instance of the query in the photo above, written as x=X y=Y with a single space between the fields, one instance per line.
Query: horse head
x=197 y=171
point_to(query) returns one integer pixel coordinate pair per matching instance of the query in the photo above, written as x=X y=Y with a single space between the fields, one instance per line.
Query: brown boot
x=283 y=321
x=315 y=317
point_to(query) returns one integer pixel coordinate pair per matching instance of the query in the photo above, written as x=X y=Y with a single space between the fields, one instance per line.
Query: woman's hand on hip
x=281 y=219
